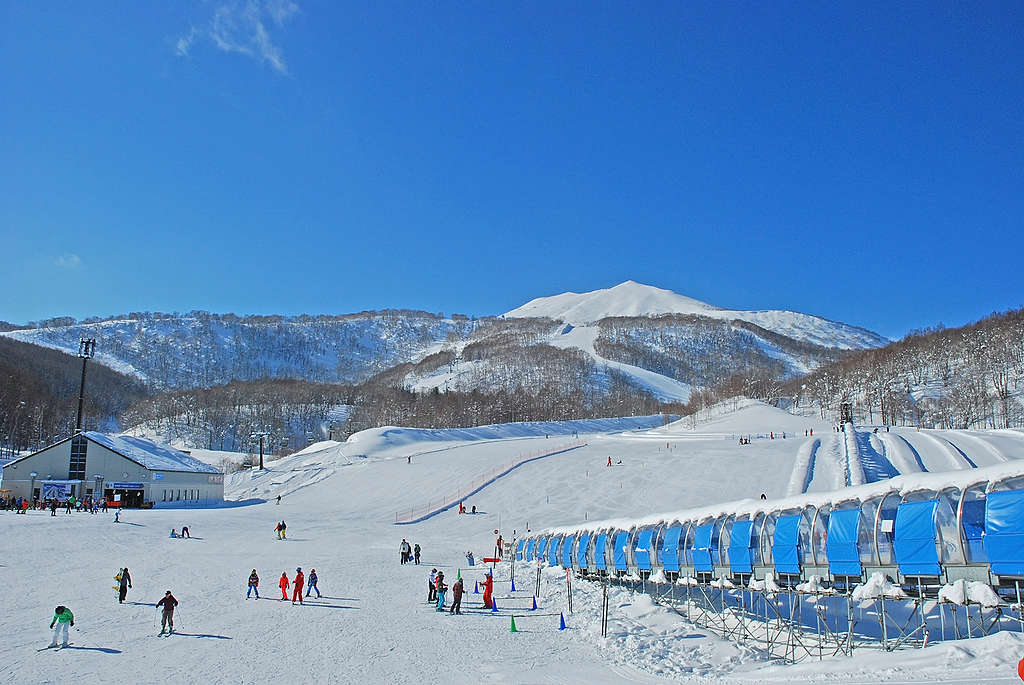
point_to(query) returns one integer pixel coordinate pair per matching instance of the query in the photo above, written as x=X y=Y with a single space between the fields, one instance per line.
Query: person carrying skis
x=312 y=584
x=457 y=596
x=416 y=553
x=168 y=602
x=62 y=616
x=488 y=590
x=441 y=588
x=124 y=581
x=297 y=584
x=283 y=584
x=254 y=585
x=432 y=586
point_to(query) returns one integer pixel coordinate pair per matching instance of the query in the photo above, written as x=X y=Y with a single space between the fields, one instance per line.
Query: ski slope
x=372 y=625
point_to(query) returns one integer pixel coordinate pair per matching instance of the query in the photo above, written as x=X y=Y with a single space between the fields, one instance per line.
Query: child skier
x=254 y=585
x=62 y=616
x=283 y=583
x=297 y=583
x=441 y=588
x=312 y=584
x=168 y=602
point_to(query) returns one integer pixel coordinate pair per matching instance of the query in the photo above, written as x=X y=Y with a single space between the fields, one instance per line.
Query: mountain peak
x=628 y=298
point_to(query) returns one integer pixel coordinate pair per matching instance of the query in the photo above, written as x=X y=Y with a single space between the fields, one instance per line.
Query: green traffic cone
x=458 y=575
x=512 y=628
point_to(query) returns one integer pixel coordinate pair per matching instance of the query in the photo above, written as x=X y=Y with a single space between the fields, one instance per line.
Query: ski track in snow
x=803 y=467
x=900 y=454
x=995 y=455
x=956 y=460
x=874 y=462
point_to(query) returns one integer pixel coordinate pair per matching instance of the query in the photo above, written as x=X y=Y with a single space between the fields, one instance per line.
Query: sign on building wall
x=126 y=486
x=56 y=490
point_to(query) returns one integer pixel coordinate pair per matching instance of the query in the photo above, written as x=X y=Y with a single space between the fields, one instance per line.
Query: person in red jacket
x=297 y=584
x=488 y=590
x=284 y=585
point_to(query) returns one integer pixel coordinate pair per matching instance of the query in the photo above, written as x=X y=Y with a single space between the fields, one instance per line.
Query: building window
x=76 y=468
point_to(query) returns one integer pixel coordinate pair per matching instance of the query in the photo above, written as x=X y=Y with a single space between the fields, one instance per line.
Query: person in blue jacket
x=312 y=584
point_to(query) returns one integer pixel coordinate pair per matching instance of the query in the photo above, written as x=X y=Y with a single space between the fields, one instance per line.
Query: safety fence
x=437 y=505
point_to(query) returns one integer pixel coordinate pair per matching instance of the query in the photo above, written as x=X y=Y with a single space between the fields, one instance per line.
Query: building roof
x=153 y=456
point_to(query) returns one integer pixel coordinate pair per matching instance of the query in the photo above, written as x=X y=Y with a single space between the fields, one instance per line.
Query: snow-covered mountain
x=632 y=299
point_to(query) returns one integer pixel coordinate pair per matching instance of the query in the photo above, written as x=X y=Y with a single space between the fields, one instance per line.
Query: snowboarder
x=279 y=499
x=124 y=581
x=284 y=584
x=457 y=596
x=174 y=534
x=441 y=588
x=312 y=584
x=168 y=602
x=62 y=616
x=254 y=585
x=474 y=509
x=432 y=586
x=488 y=590
x=297 y=584
x=416 y=553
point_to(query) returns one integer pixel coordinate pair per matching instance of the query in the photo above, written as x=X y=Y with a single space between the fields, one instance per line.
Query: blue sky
x=861 y=161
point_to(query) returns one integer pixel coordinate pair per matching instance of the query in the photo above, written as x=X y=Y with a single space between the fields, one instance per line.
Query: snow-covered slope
x=339 y=501
x=631 y=299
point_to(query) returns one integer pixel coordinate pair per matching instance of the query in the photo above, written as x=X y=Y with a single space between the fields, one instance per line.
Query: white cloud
x=68 y=261
x=244 y=28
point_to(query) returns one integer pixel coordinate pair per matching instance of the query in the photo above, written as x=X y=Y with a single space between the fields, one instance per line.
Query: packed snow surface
x=372 y=624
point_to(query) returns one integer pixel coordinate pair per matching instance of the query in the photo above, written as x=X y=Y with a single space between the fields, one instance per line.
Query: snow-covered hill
x=632 y=299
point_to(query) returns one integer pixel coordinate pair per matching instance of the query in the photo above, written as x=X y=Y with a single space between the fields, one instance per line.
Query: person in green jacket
x=62 y=616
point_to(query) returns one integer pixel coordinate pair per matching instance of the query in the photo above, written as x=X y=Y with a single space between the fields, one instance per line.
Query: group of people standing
x=437 y=590
x=280 y=530
x=409 y=552
x=296 y=584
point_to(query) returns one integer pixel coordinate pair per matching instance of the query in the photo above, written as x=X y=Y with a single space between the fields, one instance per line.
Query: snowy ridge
x=631 y=299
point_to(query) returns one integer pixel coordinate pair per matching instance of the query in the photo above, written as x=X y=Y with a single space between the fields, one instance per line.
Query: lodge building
x=133 y=472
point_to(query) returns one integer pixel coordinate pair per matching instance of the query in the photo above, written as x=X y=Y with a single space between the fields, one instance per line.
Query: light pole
x=261 y=435
x=86 y=351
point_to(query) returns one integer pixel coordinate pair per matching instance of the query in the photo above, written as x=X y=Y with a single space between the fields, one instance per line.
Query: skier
x=609 y=461
x=432 y=586
x=62 y=616
x=167 y=618
x=403 y=550
x=284 y=526
x=117 y=516
x=312 y=584
x=277 y=529
x=441 y=588
x=416 y=553
x=254 y=585
x=297 y=584
x=457 y=596
x=279 y=499
x=488 y=590
x=124 y=581
x=283 y=583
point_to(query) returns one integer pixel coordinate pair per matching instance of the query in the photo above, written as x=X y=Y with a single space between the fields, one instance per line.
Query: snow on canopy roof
x=901 y=485
x=148 y=453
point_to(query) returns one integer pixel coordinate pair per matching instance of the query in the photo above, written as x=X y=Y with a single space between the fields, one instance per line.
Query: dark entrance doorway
x=131 y=498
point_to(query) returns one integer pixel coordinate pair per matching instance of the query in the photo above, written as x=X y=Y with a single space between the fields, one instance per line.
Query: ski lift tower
x=86 y=351
x=846 y=413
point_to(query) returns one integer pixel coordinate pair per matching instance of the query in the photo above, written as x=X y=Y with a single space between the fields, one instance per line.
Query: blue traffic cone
x=476 y=588
x=494 y=606
x=561 y=621
x=534 y=607
x=513 y=585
